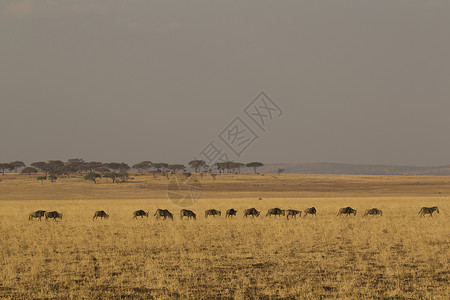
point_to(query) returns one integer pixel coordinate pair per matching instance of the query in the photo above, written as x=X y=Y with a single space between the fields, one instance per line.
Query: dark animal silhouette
x=163 y=213
x=251 y=212
x=212 y=212
x=100 y=214
x=53 y=215
x=428 y=210
x=187 y=213
x=346 y=211
x=293 y=213
x=231 y=212
x=275 y=212
x=140 y=213
x=373 y=212
x=36 y=214
x=311 y=211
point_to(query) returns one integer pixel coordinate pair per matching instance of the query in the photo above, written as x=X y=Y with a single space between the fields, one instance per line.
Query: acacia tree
x=102 y=169
x=54 y=168
x=40 y=165
x=236 y=167
x=143 y=166
x=91 y=166
x=229 y=166
x=148 y=165
x=17 y=164
x=160 y=167
x=75 y=164
x=113 y=166
x=255 y=165
x=10 y=167
x=197 y=164
x=29 y=171
x=118 y=166
x=46 y=168
x=111 y=175
x=92 y=176
x=55 y=165
x=67 y=170
x=4 y=166
x=176 y=167
x=124 y=167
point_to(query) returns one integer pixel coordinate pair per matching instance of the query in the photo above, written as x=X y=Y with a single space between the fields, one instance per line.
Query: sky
x=127 y=80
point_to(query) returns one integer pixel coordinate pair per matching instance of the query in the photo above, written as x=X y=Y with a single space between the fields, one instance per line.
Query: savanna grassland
x=396 y=256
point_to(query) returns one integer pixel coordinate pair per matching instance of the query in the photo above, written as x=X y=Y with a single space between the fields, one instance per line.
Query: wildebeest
x=53 y=215
x=276 y=212
x=311 y=211
x=140 y=213
x=428 y=210
x=251 y=212
x=36 y=214
x=293 y=213
x=100 y=214
x=373 y=212
x=187 y=213
x=212 y=212
x=231 y=212
x=163 y=213
x=346 y=211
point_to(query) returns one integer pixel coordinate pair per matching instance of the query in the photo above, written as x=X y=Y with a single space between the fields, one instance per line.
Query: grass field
x=396 y=256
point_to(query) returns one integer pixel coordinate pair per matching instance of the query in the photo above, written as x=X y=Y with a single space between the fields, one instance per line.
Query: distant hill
x=354 y=169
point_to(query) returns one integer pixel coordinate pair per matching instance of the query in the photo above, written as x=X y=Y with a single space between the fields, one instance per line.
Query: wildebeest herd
x=253 y=212
x=47 y=214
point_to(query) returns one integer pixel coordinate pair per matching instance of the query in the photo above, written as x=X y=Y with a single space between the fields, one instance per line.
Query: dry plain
x=396 y=256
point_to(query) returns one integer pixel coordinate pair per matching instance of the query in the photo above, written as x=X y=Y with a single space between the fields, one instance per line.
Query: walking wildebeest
x=346 y=211
x=231 y=212
x=275 y=211
x=373 y=212
x=428 y=210
x=100 y=214
x=311 y=211
x=212 y=212
x=187 y=213
x=140 y=213
x=163 y=213
x=293 y=213
x=36 y=214
x=251 y=212
x=53 y=215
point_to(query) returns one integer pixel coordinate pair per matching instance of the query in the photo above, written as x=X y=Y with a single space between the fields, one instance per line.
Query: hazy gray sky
x=124 y=80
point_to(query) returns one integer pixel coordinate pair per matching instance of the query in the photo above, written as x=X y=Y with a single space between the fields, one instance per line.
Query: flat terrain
x=396 y=256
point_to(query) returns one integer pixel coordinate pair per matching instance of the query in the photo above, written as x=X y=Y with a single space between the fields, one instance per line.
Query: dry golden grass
x=397 y=256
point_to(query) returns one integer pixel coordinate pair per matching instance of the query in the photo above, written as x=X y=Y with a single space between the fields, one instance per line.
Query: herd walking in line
x=253 y=212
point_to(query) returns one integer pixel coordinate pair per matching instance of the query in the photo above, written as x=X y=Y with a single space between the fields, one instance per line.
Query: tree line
x=53 y=169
